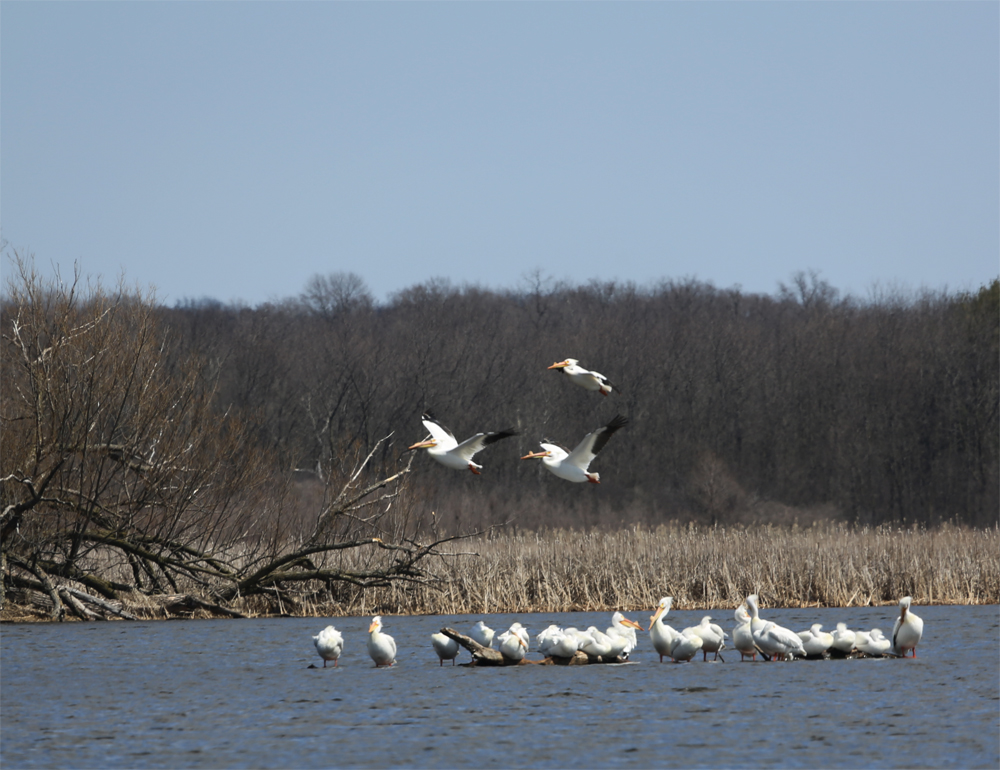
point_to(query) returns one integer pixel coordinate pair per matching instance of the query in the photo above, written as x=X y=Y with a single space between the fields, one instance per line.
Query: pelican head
x=619 y=618
x=562 y=364
x=904 y=605
x=427 y=442
x=531 y=455
x=661 y=609
x=751 y=603
x=376 y=624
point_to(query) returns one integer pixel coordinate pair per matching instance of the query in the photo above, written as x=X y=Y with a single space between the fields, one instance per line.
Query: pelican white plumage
x=444 y=447
x=742 y=637
x=559 y=643
x=660 y=633
x=445 y=647
x=381 y=647
x=624 y=628
x=573 y=466
x=329 y=644
x=771 y=639
x=816 y=641
x=584 y=377
x=482 y=634
x=685 y=646
x=712 y=636
x=873 y=643
x=843 y=640
x=908 y=629
x=513 y=643
x=599 y=644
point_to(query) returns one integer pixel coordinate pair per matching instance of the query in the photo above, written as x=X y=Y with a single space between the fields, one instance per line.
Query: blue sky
x=233 y=150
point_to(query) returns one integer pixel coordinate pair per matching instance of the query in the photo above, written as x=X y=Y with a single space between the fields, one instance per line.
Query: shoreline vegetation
x=825 y=565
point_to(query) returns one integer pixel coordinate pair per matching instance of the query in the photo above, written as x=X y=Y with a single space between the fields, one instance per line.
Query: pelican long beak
x=632 y=623
x=654 y=616
x=426 y=443
x=559 y=365
x=535 y=454
x=372 y=627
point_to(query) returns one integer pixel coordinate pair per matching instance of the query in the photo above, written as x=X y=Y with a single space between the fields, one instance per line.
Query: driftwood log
x=487 y=656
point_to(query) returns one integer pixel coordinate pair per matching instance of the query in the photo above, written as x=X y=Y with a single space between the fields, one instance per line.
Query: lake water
x=241 y=694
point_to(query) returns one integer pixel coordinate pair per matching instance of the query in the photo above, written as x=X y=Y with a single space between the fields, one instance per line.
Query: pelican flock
x=752 y=635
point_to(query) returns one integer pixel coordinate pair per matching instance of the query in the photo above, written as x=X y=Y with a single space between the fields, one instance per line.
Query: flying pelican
x=843 y=640
x=661 y=634
x=815 y=641
x=742 y=637
x=712 y=636
x=624 y=628
x=513 y=643
x=583 y=377
x=329 y=644
x=771 y=639
x=381 y=647
x=482 y=634
x=572 y=466
x=908 y=629
x=445 y=647
x=444 y=447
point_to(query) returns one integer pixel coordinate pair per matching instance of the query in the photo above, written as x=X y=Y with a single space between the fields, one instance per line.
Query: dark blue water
x=241 y=693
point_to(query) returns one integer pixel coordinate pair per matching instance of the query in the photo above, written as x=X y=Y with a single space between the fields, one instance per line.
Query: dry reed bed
x=833 y=566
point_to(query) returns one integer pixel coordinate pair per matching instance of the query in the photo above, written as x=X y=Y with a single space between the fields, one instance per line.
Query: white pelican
x=583 y=377
x=558 y=643
x=661 y=634
x=712 y=636
x=742 y=638
x=381 y=647
x=843 y=640
x=329 y=644
x=482 y=634
x=815 y=641
x=572 y=466
x=771 y=639
x=908 y=629
x=445 y=647
x=873 y=643
x=444 y=447
x=599 y=644
x=513 y=642
x=685 y=646
x=624 y=628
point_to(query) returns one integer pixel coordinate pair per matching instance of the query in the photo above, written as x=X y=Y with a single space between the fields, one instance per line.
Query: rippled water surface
x=241 y=693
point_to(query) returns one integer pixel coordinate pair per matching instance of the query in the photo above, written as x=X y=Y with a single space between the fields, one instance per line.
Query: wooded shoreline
x=629 y=570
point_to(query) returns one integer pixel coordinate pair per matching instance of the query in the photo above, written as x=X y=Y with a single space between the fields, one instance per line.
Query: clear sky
x=234 y=149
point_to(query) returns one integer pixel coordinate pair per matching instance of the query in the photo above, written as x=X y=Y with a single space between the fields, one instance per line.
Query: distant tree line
x=743 y=407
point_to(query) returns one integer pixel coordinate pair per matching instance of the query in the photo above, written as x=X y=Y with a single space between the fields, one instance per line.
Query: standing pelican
x=329 y=644
x=482 y=634
x=572 y=466
x=908 y=629
x=712 y=636
x=583 y=377
x=381 y=647
x=742 y=637
x=661 y=634
x=444 y=447
x=771 y=639
x=445 y=647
